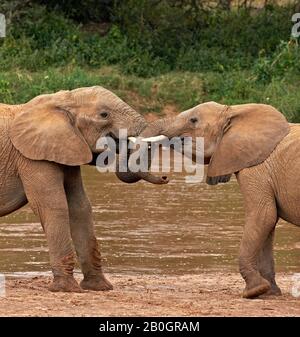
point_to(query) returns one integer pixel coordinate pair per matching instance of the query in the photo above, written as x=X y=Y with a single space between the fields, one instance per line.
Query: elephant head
x=235 y=137
x=64 y=127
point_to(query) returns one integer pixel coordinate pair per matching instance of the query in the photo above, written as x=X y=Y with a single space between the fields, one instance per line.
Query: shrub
x=147 y=38
x=285 y=59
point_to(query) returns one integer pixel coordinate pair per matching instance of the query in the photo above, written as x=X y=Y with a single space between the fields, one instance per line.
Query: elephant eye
x=104 y=114
x=194 y=120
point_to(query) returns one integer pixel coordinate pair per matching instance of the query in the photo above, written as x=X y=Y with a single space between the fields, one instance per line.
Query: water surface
x=142 y=228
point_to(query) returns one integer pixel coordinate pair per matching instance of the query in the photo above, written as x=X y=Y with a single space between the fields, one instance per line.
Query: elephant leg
x=266 y=265
x=261 y=218
x=82 y=231
x=44 y=189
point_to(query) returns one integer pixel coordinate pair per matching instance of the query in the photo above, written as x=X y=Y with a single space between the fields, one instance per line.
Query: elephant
x=257 y=144
x=43 y=144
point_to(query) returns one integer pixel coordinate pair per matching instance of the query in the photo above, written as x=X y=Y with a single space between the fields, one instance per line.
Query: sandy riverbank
x=208 y=294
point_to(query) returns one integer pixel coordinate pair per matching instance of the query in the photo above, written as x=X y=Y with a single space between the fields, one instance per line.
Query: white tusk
x=154 y=139
x=132 y=139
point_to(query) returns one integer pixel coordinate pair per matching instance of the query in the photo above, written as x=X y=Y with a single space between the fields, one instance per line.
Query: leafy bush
x=285 y=59
x=147 y=38
x=190 y=40
x=152 y=53
x=5 y=91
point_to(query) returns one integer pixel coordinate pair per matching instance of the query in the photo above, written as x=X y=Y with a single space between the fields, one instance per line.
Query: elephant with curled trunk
x=258 y=145
x=42 y=144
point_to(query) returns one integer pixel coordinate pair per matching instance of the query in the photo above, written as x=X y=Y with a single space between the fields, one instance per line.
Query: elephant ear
x=48 y=132
x=252 y=132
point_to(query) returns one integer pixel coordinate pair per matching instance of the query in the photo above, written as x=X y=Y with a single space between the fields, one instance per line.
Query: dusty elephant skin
x=255 y=142
x=43 y=143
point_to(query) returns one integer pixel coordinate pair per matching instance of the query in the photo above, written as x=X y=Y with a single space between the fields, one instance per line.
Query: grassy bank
x=181 y=89
x=154 y=55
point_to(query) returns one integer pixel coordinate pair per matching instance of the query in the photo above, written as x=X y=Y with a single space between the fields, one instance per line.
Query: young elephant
x=43 y=143
x=255 y=142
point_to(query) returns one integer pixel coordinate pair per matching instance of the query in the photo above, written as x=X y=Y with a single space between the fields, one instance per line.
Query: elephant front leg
x=62 y=257
x=266 y=265
x=259 y=224
x=82 y=231
x=43 y=185
x=90 y=260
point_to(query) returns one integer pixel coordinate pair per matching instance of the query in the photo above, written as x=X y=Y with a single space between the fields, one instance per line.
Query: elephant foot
x=274 y=291
x=65 y=284
x=96 y=283
x=255 y=289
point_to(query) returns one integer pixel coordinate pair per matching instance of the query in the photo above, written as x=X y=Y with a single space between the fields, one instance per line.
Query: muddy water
x=142 y=228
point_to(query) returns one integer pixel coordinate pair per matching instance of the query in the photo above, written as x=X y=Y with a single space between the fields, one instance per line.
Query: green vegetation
x=152 y=53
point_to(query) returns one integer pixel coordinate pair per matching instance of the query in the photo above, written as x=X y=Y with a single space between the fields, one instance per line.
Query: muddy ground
x=208 y=294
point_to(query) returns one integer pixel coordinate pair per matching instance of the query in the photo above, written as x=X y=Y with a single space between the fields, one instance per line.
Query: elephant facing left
x=43 y=143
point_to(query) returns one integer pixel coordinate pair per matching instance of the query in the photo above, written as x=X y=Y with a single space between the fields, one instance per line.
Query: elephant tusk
x=132 y=139
x=154 y=139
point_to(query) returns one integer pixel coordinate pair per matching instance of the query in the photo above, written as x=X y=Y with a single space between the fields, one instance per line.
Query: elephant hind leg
x=12 y=196
x=266 y=265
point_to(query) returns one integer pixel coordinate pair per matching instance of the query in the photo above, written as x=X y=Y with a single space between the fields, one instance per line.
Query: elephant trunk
x=153 y=129
x=133 y=177
x=158 y=127
x=128 y=176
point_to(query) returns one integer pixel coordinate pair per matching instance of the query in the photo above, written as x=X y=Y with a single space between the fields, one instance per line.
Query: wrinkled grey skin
x=43 y=143
x=255 y=142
